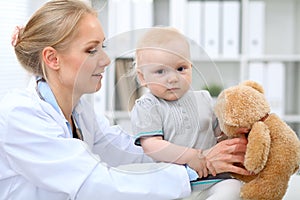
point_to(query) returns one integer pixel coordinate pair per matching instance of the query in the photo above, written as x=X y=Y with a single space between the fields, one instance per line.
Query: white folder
x=119 y=14
x=275 y=86
x=177 y=14
x=256 y=27
x=257 y=72
x=194 y=21
x=211 y=27
x=272 y=77
x=142 y=14
x=231 y=28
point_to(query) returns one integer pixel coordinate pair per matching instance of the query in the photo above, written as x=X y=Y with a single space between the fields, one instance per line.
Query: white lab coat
x=39 y=159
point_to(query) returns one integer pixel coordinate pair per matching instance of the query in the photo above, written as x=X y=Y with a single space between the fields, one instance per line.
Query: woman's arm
x=36 y=150
x=159 y=181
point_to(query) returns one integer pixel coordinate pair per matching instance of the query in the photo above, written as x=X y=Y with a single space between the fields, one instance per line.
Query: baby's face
x=167 y=75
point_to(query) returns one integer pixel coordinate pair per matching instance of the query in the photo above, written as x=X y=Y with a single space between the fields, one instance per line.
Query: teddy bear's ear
x=254 y=85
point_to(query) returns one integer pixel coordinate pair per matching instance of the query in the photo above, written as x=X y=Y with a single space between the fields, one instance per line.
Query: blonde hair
x=54 y=24
x=160 y=37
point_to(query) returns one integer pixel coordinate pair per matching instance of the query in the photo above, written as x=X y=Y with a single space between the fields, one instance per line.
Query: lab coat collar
x=44 y=90
x=46 y=94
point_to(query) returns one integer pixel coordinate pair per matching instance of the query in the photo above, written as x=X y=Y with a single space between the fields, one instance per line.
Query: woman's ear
x=141 y=78
x=50 y=58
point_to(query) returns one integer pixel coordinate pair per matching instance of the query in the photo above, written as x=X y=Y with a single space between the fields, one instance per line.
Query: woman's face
x=84 y=61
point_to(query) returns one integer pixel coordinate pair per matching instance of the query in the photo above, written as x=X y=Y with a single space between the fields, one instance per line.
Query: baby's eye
x=160 y=71
x=180 y=69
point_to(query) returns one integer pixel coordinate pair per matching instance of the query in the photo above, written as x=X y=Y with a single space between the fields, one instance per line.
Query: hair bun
x=15 y=35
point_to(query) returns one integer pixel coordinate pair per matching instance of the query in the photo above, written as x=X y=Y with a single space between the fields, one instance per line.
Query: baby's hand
x=198 y=163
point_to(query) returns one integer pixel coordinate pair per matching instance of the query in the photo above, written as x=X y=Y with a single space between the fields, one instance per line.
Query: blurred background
x=231 y=41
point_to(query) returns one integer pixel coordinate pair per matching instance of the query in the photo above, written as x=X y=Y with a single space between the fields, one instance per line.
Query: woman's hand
x=223 y=155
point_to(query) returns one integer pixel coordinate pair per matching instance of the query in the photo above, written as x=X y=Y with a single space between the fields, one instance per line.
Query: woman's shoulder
x=16 y=98
x=20 y=101
x=23 y=112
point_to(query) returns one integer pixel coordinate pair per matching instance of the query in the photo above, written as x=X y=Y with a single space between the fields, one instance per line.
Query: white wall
x=13 y=13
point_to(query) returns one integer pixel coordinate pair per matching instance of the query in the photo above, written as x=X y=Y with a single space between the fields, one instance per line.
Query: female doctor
x=52 y=144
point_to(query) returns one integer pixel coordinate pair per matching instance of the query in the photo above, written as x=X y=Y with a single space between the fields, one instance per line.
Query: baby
x=171 y=122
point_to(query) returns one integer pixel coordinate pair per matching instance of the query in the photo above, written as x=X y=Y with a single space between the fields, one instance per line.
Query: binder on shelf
x=257 y=72
x=121 y=13
x=275 y=86
x=142 y=8
x=194 y=21
x=177 y=14
x=256 y=27
x=272 y=77
x=211 y=27
x=231 y=28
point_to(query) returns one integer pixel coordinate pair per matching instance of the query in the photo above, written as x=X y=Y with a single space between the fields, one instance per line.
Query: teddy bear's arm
x=257 y=148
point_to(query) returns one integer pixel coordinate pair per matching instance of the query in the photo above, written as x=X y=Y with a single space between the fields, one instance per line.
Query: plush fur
x=273 y=149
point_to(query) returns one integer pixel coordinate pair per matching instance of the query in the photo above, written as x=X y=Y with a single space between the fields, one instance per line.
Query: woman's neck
x=66 y=99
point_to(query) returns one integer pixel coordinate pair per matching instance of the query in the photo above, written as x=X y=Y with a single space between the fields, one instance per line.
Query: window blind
x=12 y=13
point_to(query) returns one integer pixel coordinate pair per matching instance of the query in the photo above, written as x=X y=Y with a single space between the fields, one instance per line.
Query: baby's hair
x=54 y=25
x=159 y=38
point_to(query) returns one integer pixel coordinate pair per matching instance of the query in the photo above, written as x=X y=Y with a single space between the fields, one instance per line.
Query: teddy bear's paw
x=258 y=147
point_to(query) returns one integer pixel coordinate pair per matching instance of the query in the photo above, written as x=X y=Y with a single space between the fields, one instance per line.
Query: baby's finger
x=200 y=174
x=205 y=171
x=211 y=168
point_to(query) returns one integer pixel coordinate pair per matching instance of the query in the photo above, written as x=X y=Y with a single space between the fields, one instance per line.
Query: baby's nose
x=173 y=77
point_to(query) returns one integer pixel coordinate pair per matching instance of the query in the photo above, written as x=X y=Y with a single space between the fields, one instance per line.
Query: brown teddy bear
x=273 y=149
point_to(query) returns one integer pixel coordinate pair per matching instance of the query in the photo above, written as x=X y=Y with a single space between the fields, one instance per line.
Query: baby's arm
x=164 y=151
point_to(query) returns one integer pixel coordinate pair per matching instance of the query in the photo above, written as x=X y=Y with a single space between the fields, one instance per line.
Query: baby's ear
x=141 y=78
x=254 y=85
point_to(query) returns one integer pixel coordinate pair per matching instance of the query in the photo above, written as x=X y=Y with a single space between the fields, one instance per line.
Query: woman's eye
x=103 y=45
x=92 y=51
